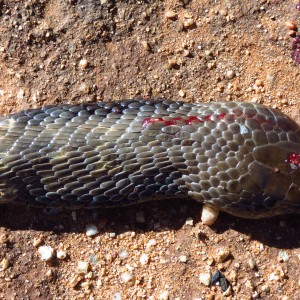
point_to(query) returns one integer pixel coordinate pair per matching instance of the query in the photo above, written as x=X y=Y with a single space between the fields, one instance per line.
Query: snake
x=236 y=157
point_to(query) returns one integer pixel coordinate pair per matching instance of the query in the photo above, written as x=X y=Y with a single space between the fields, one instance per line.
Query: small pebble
x=91 y=230
x=222 y=255
x=83 y=64
x=209 y=215
x=123 y=254
x=144 y=259
x=128 y=278
x=74 y=281
x=170 y=14
x=265 y=288
x=205 y=278
x=112 y=235
x=283 y=256
x=189 y=221
x=164 y=295
x=4 y=264
x=181 y=93
x=252 y=263
x=61 y=254
x=82 y=267
x=151 y=243
x=189 y=23
x=37 y=241
x=183 y=258
x=230 y=74
x=46 y=252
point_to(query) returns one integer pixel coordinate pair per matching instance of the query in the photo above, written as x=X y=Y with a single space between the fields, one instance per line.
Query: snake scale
x=240 y=158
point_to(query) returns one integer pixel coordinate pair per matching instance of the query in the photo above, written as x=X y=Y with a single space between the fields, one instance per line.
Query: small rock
x=151 y=243
x=209 y=215
x=170 y=14
x=230 y=74
x=112 y=235
x=222 y=255
x=83 y=267
x=189 y=221
x=83 y=64
x=144 y=259
x=183 y=258
x=91 y=230
x=4 y=264
x=146 y=45
x=4 y=238
x=283 y=256
x=265 y=288
x=189 y=23
x=252 y=263
x=181 y=93
x=164 y=295
x=21 y=94
x=75 y=280
x=205 y=278
x=37 y=241
x=61 y=254
x=123 y=254
x=46 y=252
x=128 y=278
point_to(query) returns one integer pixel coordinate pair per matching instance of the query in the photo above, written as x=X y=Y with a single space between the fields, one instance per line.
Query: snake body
x=240 y=158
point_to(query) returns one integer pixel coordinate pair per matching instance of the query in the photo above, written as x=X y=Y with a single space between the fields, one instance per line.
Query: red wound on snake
x=293 y=160
x=182 y=121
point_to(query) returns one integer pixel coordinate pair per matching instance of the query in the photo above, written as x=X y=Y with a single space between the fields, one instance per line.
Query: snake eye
x=276 y=167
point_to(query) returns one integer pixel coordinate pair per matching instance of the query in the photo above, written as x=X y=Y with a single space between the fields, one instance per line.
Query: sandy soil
x=76 y=51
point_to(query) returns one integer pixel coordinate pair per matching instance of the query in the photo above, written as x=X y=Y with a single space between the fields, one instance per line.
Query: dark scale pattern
x=239 y=157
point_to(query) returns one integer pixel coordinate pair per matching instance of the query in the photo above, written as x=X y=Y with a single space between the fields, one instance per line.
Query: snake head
x=276 y=171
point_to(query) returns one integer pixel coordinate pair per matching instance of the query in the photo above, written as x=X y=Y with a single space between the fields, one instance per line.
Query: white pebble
x=91 y=230
x=82 y=267
x=151 y=243
x=61 y=254
x=283 y=256
x=46 y=252
x=205 y=278
x=144 y=259
x=230 y=74
x=128 y=278
x=83 y=63
x=164 y=295
x=189 y=221
x=209 y=215
x=123 y=254
x=183 y=258
x=112 y=234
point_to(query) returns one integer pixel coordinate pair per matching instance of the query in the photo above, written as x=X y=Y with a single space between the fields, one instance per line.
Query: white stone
x=46 y=252
x=205 y=278
x=209 y=215
x=91 y=230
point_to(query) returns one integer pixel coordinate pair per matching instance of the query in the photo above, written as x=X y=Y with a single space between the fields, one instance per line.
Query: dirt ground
x=91 y=50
